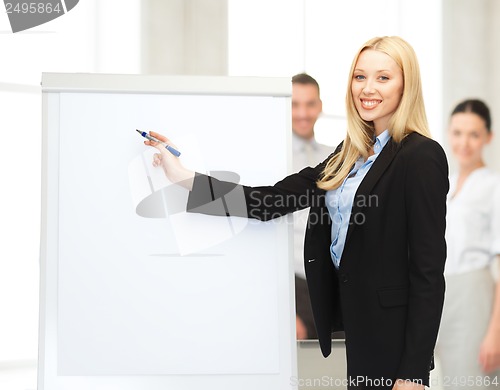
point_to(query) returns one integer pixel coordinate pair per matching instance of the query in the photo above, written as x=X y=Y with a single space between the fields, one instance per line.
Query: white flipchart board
x=135 y=292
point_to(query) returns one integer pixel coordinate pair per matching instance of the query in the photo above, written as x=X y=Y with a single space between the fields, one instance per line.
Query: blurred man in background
x=306 y=108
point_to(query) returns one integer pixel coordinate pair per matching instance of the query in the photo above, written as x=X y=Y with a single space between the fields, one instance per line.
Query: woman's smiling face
x=377 y=86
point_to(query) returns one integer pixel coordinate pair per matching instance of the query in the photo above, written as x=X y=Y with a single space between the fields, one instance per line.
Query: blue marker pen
x=172 y=150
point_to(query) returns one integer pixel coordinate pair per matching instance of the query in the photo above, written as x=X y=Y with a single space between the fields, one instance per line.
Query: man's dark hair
x=304 y=78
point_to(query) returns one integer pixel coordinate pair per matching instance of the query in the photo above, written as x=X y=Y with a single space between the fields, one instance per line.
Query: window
x=285 y=37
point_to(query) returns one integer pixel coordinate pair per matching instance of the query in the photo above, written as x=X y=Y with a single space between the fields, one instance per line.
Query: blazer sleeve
x=426 y=187
x=218 y=197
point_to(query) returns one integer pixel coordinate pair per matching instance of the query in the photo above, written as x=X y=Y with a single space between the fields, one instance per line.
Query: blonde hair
x=408 y=117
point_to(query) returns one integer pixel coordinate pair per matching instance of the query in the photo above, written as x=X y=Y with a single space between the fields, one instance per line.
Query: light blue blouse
x=340 y=200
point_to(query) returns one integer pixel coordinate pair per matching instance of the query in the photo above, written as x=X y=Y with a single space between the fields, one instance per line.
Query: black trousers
x=303 y=306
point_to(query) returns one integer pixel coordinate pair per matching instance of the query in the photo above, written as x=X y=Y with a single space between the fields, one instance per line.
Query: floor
x=314 y=371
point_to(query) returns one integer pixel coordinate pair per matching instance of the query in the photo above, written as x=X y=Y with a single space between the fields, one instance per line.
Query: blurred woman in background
x=469 y=337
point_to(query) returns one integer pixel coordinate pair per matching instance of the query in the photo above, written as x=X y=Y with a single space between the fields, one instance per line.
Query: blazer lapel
x=376 y=171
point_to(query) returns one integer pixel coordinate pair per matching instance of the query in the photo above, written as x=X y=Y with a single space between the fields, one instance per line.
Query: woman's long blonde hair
x=409 y=116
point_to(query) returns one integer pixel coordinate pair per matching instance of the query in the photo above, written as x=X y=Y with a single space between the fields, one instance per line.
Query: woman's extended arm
x=218 y=197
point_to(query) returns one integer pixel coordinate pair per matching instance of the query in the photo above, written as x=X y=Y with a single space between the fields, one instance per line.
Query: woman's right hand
x=172 y=166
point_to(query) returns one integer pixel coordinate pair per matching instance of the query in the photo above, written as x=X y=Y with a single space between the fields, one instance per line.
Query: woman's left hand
x=489 y=352
x=402 y=384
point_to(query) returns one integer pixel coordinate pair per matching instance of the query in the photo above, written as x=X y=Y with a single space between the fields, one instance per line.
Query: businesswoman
x=469 y=340
x=374 y=245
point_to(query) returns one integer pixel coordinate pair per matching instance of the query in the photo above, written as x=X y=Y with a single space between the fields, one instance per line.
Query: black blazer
x=388 y=293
